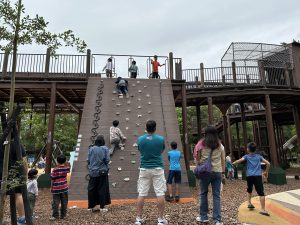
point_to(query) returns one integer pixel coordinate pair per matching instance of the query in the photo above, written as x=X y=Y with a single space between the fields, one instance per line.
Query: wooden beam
x=68 y=101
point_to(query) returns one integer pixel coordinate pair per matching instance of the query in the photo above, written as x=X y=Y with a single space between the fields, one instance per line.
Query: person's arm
x=266 y=173
x=121 y=134
x=88 y=157
x=238 y=161
x=107 y=157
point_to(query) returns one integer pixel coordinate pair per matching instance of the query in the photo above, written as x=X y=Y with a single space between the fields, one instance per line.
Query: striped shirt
x=59 y=179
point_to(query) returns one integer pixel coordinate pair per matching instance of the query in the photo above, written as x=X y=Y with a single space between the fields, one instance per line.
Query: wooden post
x=198 y=111
x=5 y=64
x=202 y=74
x=88 y=62
x=197 y=81
x=184 y=128
x=297 y=123
x=238 y=138
x=261 y=68
x=233 y=73
x=171 y=68
x=271 y=134
x=226 y=136
x=244 y=126
x=51 y=123
x=229 y=135
x=210 y=111
x=47 y=63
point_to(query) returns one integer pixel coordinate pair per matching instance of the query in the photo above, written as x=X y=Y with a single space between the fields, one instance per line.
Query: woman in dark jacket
x=98 y=187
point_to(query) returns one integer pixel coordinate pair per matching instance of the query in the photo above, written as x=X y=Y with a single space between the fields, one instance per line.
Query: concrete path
x=284 y=209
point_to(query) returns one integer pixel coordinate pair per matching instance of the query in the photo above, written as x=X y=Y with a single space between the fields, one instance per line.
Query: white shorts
x=155 y=176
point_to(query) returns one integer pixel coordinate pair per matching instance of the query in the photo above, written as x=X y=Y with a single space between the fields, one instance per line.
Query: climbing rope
x=97 y=112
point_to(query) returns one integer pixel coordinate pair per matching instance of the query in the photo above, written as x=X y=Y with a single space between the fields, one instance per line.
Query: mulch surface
x=234 y=193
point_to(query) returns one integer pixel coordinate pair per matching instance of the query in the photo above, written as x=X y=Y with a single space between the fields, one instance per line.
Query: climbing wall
x=148 y=99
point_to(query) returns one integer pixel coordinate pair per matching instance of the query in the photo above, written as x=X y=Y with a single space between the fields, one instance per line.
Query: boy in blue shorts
x=254 y=175
x=174 y=156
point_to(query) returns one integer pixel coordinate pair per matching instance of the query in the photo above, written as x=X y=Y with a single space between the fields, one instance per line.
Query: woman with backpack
x=210 y=150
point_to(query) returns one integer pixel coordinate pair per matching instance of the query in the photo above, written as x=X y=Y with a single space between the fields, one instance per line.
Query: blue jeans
x=215 y=180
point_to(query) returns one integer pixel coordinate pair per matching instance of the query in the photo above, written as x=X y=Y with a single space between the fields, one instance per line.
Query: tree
x=19 y=29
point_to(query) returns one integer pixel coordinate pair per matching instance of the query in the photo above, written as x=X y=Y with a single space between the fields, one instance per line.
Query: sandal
x=264 y=213
x=250 y=206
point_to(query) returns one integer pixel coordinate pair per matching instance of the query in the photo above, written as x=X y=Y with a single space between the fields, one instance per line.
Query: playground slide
x=149 y=99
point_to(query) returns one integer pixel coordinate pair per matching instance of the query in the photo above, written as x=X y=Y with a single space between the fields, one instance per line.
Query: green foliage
x=31 y=30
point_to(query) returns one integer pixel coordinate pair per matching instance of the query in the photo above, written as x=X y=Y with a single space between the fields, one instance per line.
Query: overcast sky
x=196 y=30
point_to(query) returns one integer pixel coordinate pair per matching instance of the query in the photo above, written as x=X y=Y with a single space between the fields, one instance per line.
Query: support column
x=244 y=126
x=79 y=120
x=271 y=134
x=297 y=123
x=171 y=68
x=198 y=111
x=210 y=111
x=50 y=135
x=238 y=138
x=184 y=128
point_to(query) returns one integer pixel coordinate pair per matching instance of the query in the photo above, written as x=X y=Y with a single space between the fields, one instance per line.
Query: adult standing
x=211 y=145
x=155 y=65
x=98 y=187
x=151 y=147
x=108 y=68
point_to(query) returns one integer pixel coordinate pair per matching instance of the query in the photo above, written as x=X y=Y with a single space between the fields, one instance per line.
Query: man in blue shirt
x=151 y=147
x=174 y=156
x=254 y=175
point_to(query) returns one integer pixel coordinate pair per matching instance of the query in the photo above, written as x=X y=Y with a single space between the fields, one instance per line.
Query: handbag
x=204 y=168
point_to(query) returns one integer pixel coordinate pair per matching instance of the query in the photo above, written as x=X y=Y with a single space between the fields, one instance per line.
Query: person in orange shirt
x=155 y=65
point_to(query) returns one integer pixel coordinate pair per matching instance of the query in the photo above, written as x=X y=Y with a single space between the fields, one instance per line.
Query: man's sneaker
x=139 y=221
x=162 y=221
x=52 y=218
x=198 y=218
x=104 y=210
x=177 y=198
x=169 y=198
x=218 y=223
x=21 y=220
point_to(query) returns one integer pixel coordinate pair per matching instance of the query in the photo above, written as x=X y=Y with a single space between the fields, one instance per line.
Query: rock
x=114 y=184
x=127 y=119
x=135 y=145
x=133 y=162
x=149 y=103
x=133 y=153
x=140 y=91
x=139 y=107
x=117 y=113
x=119 y=168
x=126 y=179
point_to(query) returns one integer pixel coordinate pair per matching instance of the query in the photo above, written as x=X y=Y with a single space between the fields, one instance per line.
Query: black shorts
x=155 y=75
x=133 y=74
x=258 y=184
x=176 y=174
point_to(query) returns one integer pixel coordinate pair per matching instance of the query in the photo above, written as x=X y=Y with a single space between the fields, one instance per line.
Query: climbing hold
x=114 y=184
x=135 y=145
x=122 y=148
x=145 y=131
x=128 y=110
x=109 y=162
x=127 y=128
x=133 y=85
x=149 y=112
x=118 y=104
x=126 y=179
x=139 y=107
x=120 y=96
x=133 y=153
x=145 y=86
x=114 y=92
x=117 y=113
x=139 y=99
x=121 y=158
x=119 y=168
x=137 y=124
x=133 y=162
x=140 y=91
x=149 y=103
x=132 y=95
x=113 y=99
x=128 y=102
x=127 y=119
x=138 y=82
x=147 y=95
x=139 y=116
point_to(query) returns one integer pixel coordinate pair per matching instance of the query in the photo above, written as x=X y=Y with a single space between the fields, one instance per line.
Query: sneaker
x=169 y=198
x=218 y=223
x=52 y=218
x=139 y=221
x=21 y=220
x=198 y=218
x=104 y=210
x=162 y=221
x=250 y=206
x=177 y=198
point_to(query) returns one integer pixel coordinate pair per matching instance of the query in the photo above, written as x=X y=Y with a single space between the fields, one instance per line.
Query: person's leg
x=216 y=191
x=31 y=201
x=64 y=204
x=177 y=189
x=177 y=184
x=140 y=206
x=159 y=185
x=55 y=205
x=169 y=182
x=170 y=190
x=143 y=186
x=161 y=206
x=249 y=191
x=204 y=182
x=20 y=205
x=260 y=191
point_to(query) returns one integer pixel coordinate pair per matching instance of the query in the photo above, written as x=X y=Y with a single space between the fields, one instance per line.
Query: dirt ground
x=234 y=193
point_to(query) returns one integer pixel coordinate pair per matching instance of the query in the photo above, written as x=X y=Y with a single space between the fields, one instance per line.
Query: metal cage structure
x=250 y=54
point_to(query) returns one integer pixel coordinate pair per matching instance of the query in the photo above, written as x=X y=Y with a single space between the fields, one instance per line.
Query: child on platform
x=254 y=175
x=133 y=69
x=59 y=188
x=174 y=156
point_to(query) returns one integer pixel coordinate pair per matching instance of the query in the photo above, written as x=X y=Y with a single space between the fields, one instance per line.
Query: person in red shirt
x=155 y=65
